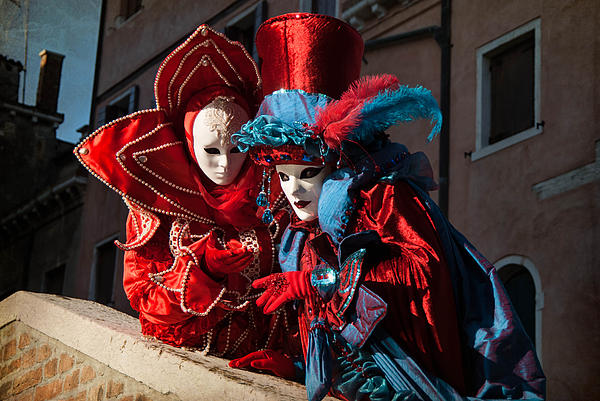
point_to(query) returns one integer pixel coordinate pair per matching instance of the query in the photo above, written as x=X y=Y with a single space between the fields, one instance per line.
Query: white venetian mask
x=218 y=158
x=302 y=185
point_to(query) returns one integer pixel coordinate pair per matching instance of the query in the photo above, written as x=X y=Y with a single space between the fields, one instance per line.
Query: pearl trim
x=79 y=152
x=141 y=158
x=144 y=229
x=203 y=30
x=141 y=181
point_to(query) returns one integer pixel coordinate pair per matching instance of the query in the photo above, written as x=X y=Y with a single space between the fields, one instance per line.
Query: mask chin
x=302 y=187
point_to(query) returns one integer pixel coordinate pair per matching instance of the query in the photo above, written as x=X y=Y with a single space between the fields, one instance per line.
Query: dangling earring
x=262 y=199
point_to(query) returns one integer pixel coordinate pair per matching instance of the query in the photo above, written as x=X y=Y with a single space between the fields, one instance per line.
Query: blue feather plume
x=394 y=106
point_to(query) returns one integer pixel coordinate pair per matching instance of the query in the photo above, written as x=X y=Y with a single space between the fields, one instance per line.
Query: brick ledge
x=114 y=338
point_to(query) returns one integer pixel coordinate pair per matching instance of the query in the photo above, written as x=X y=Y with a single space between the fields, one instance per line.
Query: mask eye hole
x=283 y=177
x=310 y=172
x=212 y=151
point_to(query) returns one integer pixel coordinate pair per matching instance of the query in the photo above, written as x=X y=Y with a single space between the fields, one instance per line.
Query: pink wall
x=491 y=199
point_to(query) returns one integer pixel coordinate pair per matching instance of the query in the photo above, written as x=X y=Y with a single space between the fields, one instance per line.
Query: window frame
x=259 y=12
x=539 y=294
x=48 y=270
x=92 y=296
x=483 y=101
x=132 y=93
x=122 y=18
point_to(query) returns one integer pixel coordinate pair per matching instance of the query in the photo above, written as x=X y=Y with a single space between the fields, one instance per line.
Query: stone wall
x=58 y=348
x=35 y=367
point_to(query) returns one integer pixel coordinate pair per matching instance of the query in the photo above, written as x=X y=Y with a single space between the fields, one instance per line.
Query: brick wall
x=35 y=367
x=54 y=347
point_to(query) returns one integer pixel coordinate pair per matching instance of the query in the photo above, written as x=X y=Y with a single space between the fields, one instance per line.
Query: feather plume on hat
x=371 y=105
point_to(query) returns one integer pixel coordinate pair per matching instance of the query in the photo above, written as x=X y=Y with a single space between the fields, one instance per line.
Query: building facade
x=42 y=185
x=517 y=161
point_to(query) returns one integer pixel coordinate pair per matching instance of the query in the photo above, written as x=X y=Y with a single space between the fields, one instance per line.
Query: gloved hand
x=271 y=360
x=220 y=262
x=283 y=287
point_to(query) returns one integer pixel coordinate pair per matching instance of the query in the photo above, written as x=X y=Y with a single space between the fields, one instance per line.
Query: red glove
x=220 y=262
x=283 y=287
x=274 y=361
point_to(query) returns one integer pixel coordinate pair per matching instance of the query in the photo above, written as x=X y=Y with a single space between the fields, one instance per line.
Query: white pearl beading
x=205 y=62
x=141 y=159
x=144 y=230
x=81 y=150
x=140 y=180
x=203 y=30
x=180 y=231
x=250 y=241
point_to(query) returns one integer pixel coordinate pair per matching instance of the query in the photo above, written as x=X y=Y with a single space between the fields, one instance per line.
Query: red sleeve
x=414 y=280
x=154 y=302
x=155 y=280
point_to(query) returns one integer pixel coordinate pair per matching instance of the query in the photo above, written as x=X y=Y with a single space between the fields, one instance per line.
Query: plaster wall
x=491 y=199
x=129 y=44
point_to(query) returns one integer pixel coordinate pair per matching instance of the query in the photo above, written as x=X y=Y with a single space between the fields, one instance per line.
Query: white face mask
x=302 y=185
x=218 y=158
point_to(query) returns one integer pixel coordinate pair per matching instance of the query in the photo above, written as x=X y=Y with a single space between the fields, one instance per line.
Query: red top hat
x=312 y=52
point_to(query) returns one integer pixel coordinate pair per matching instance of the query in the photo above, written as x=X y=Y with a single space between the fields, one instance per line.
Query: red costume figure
x=195 y=239
x=394 y=304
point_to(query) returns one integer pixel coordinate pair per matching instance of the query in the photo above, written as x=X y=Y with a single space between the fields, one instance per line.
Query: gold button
x=83 y=151
x=204 y=31
x=143 y=159
x=122 y=157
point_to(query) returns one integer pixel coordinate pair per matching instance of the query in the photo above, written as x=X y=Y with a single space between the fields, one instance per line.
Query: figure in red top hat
x=195 y=239
x=394 y=303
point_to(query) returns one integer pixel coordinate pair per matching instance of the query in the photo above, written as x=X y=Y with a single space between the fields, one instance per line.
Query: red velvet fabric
x=315 y=53
x=413 y=279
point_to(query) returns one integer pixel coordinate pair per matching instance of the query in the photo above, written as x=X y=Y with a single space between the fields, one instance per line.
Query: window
x=243 y=27
x=327 y=7
x=511 y=80
x=102 y=277
x=523 y=285
x=125 y=104
x=129 y=7
x=54 y=279
x=508 y=74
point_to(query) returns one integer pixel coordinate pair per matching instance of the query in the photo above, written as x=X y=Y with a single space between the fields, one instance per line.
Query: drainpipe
x=443 y=39
x=442 y=36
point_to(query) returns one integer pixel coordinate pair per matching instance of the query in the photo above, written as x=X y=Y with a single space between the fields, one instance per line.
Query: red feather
x=339 y=118
x=371 y=85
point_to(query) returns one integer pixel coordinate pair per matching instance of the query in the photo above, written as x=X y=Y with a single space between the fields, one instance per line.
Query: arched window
x=522 y=282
